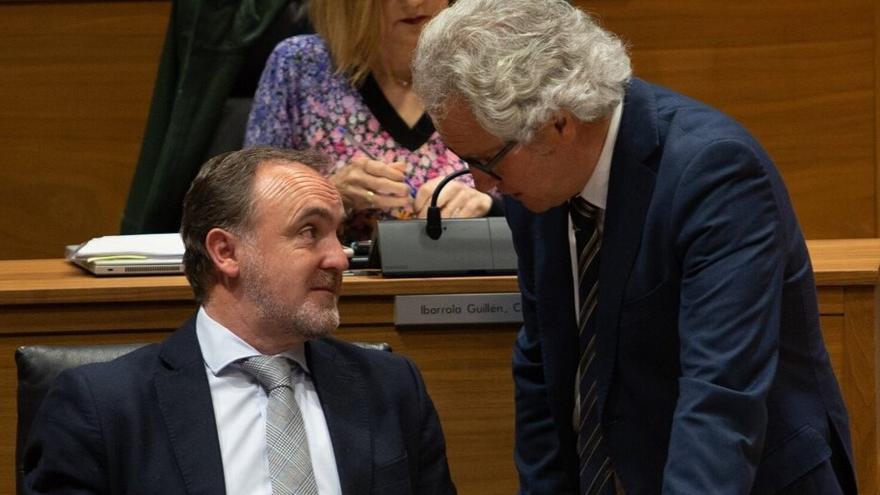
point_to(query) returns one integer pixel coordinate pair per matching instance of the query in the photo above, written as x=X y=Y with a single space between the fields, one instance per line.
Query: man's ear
x=224 y=249
x=563 y=124
x=559 y=129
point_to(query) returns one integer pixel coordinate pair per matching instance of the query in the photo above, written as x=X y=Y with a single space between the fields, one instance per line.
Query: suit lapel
x=343 y=395
x=630 y=187
x=554 y=282
x=184 y=397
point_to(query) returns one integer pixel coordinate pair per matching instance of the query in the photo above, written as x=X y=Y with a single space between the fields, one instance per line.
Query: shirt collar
x=596 y=189
x=221 y=347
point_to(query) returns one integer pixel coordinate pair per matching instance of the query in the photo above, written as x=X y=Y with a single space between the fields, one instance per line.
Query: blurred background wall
x=76 y=79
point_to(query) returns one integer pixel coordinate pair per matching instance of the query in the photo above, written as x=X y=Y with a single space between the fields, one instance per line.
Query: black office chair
x=39 y=365
x=229 y=135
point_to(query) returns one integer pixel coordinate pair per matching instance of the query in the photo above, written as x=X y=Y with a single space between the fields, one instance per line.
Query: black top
x=411 y=138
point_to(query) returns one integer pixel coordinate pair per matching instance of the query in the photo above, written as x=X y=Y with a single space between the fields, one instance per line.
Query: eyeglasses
x=487 y=166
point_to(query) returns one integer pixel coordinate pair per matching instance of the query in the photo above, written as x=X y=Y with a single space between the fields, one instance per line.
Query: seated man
x=251 y=396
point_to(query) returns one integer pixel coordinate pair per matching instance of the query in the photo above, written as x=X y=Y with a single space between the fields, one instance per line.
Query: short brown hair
x=352 y=31
x=221 y=196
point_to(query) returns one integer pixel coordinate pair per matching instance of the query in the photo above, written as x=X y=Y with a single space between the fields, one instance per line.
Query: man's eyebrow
x=317 y=211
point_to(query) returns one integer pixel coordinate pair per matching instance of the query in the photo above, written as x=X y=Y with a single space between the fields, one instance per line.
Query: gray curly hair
x=517 y=62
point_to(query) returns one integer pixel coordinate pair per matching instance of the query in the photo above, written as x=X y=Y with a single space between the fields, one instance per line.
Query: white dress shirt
x=596 y=193
x=240 y=412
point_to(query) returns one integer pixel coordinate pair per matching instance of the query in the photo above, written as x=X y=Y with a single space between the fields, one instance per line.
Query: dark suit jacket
x=714 y=378
x=144 y=423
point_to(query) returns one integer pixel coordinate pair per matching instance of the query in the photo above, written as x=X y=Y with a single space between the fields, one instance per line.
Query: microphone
x=434 y=228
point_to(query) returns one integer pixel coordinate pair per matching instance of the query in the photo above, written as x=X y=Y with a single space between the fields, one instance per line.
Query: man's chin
x=319 y=322
x=315 y=333
x=536 y=206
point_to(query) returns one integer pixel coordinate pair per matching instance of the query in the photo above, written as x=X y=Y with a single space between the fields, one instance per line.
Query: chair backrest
x=229 y=134
x=37 y=368
x=39 y=365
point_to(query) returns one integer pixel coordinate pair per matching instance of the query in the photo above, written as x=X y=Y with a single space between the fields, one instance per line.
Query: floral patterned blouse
x=300 y=103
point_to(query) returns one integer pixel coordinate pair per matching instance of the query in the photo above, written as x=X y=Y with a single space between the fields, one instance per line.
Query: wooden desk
x=467 y=368
x=847 y=281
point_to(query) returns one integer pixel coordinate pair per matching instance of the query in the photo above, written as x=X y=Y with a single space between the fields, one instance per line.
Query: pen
x=352 y=144
x=412 y=188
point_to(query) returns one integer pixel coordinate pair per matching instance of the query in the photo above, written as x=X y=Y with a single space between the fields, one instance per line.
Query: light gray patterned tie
x=290 y=466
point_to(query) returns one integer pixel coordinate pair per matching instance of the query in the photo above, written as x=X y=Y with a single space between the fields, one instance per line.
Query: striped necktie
x=596 y=473
x=290 y=466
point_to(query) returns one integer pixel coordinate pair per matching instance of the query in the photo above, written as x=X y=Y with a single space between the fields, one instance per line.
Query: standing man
x=671 y=341
x=250 y=396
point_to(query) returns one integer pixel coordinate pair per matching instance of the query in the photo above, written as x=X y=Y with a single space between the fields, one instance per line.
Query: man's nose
x=335 y=258
x=483 y=181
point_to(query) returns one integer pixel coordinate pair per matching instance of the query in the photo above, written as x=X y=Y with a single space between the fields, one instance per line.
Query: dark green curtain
x=205 y=46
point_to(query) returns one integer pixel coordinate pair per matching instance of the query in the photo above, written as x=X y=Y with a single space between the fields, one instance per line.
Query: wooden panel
x=73 y=318
x=366 y=310
x=877 y=116
x=799 y=74
x=832 y=332
x=76 y=79
x=830 y=301
x=75 y=87
x=850 y=343
x=859 y=381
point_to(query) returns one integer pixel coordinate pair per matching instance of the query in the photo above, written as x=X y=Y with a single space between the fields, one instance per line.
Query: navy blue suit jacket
x=144 y=423
x=714 y=378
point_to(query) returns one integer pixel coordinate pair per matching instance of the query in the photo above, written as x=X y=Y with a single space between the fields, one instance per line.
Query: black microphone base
x=468 y=246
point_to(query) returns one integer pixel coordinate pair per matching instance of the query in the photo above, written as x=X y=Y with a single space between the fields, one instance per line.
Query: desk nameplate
x=455 y=309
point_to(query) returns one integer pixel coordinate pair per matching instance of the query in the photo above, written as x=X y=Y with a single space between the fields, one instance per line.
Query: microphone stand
x=434 y=228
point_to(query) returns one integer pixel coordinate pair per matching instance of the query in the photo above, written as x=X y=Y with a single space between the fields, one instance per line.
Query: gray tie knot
x=271 y=371
x=584 y=208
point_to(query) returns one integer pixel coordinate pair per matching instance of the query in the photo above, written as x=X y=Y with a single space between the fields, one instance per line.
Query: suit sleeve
x=730 y=243
x=537 y=452
x=433 y=467
x=64 y=452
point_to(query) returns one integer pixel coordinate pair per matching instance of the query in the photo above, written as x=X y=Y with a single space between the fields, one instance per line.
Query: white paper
x=148 y=245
